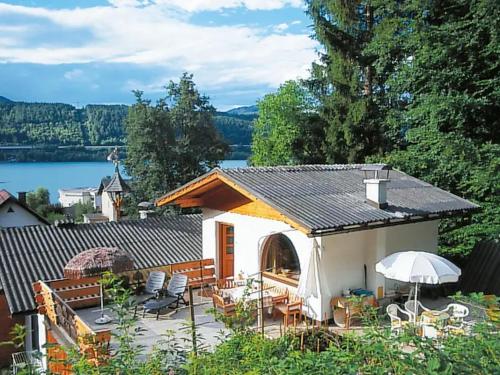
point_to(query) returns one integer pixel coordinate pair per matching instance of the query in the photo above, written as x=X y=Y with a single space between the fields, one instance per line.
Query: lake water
x=16 y=177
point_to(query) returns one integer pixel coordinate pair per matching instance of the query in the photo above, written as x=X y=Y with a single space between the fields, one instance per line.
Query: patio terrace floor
x=152 y=331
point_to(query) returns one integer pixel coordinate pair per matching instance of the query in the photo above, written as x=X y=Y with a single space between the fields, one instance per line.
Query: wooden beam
x=190 y=202
x=277 y=214
x=186 y=189
x=262 y=209
x=258 y=209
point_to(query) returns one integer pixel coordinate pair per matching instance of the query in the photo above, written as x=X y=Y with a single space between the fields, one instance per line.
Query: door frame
x=220 y=248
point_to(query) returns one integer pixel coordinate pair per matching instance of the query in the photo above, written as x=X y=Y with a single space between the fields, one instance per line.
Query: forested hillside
x=62 y=124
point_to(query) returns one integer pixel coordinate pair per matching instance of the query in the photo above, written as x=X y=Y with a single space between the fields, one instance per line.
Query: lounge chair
x=176 y=288
x=410 y=308
x=397 y=324
x=154 y=285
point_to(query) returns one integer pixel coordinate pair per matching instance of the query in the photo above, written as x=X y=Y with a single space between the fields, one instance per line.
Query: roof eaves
x=168 y=198
x=260 y=197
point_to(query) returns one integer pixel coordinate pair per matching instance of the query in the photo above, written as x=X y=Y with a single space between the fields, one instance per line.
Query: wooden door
x=226 y=250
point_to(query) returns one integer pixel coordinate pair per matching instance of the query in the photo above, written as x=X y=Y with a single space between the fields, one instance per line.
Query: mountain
x=4 y=100
x=250 y=110
x=58 y=124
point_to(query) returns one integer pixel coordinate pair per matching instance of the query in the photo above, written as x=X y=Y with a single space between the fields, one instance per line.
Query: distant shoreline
x=58 y=153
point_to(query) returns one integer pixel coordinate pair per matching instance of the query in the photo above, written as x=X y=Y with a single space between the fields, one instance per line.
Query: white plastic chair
x=410 y=309
x=457 y=312
x=397 y=323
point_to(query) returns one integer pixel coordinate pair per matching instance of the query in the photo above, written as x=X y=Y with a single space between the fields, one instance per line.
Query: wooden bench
x=199 y=272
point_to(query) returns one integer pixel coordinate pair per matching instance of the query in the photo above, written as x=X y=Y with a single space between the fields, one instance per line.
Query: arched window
x=280 y=258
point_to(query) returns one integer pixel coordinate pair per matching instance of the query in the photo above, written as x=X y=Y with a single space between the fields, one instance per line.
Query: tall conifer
x=344 y=80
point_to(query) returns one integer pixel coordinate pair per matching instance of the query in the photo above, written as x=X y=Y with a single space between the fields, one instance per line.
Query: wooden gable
x=218 y=192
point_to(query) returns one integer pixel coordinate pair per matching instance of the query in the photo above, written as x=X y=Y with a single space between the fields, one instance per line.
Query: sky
x=98 y=51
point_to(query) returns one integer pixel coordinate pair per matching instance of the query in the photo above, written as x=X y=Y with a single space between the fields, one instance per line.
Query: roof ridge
x=296 y=168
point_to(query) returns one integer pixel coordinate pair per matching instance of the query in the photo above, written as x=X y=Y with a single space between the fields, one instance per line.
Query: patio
x=151 y=330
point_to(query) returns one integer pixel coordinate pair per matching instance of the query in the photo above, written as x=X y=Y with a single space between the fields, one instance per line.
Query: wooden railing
x=95 y=344
x=199 y=272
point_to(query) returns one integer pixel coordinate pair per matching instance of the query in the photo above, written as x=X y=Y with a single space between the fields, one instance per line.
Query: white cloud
x=193 y=6
x=73 y=74
x=154 y=36
x=281 y=27
x=296 y=22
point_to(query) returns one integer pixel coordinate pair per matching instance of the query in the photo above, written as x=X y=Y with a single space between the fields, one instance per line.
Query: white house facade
x=70 y=197
x=15 y=213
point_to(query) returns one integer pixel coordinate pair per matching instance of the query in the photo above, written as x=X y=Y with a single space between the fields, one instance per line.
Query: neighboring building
x=15 y=212
x=28 y=255
x=270 y=220
x=84 y=195
x=110 y=194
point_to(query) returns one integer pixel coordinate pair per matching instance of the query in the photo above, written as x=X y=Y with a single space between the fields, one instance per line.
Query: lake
x=16 y=177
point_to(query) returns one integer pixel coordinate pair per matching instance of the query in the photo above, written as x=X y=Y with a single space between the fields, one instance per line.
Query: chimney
x=21 y=197
x=146 y=210
x=145 y=214
x=376 y=179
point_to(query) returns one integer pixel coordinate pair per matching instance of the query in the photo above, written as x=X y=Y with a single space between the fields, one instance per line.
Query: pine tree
x=344 y=81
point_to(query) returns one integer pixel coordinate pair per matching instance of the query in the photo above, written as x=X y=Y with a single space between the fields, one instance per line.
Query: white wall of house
x=18 y=217
x=343 y=256
x=107 y=207
x=70 y=197
x=249 y=236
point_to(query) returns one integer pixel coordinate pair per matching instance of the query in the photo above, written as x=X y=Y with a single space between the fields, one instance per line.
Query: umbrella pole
x=102 y=300
x=415 y=307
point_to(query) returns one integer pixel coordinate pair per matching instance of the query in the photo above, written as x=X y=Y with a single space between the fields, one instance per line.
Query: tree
x=344 y=81
x=39 y=200
x=463 y=167
x=443 y=86
x=198 y=144
x=171 y=142
x=277 y=131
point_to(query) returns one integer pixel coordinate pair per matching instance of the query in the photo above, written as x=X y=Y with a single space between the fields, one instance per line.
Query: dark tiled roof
x=40 y=253
x=117 y=183
x=326 y=197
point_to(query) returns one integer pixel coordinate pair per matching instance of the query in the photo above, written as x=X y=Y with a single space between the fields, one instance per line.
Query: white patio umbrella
x=418 y=267
x=312 y=283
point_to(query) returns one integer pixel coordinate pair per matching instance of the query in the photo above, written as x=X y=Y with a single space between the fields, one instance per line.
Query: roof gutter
x=389 y=223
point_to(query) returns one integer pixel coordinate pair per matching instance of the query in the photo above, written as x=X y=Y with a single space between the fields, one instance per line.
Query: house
x=108 y=198
x=14 y=212
x=84 y=195
x=30 y=254
x=268 y=220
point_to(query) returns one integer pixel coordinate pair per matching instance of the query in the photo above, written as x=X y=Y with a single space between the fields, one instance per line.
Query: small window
x=10 y=210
